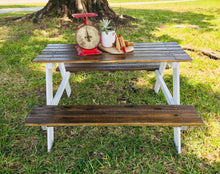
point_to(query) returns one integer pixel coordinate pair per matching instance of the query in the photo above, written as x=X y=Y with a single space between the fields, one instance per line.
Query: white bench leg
x=49 y=97
x=50 y=138
x=177 y=138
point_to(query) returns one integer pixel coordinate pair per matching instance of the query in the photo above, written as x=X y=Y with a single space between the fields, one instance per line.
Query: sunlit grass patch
x=22 y=5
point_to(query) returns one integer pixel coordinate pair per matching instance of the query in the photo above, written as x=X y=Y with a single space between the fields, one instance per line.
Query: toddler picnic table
x=146 y=56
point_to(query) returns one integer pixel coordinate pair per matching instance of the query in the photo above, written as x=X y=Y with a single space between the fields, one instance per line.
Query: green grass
x=124 y=1
x=111 y=149
x=22 y=6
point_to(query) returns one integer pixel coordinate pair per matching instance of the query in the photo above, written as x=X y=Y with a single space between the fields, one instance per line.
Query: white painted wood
x=176 y=93
x=176 y=83
x=63 y=73
x=172 y=100
x=176 y=98
x=177 y=138
x=61 y=88
x=173 y=64
x=49 y=97
x=164 y=88
x=161 y=70
x=49 y=85
x=50 y=138
x=55 y=100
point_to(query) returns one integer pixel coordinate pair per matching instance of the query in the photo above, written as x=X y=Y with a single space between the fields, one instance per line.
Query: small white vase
x=107 y=40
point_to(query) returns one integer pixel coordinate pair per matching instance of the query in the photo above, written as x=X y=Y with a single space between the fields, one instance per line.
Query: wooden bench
x=114 y=115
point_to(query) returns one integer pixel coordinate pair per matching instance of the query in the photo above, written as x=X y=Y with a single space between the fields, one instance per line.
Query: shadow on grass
x=149 y=21
x=161 y=17
x=91 y=149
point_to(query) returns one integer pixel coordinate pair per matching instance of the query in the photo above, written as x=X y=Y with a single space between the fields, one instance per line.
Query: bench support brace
x=54 y=100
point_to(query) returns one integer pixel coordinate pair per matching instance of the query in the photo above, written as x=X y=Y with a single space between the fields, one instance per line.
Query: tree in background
x=65 y=9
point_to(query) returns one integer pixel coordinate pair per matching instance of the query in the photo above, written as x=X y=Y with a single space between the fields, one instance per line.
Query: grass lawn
x=22 y=6
x=124 y=1
x=112 y=149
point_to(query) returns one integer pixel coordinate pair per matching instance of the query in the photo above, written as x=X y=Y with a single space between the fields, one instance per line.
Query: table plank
x=143 y=52
x=77 y=67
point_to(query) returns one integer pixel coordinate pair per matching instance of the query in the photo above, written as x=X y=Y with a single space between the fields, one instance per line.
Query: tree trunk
x=65 y=9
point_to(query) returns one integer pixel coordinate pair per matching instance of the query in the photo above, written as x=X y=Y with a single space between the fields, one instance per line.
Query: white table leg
x=49 y=86
x=49 y=83
x=172 y=100
x=176 y=83
x=49 y=96
x=54 y=100
x=176 y=98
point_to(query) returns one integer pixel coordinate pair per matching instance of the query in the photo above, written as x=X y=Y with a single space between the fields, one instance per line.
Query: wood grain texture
x=76 y=67
x=143 y=52
x=114 y=115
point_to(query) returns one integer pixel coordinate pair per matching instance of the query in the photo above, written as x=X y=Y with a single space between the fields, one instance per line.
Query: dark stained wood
x=143 y=52
x=111 y=67
x=114 y=115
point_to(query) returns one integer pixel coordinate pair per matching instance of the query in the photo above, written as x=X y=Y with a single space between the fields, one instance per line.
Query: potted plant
x=107 y=33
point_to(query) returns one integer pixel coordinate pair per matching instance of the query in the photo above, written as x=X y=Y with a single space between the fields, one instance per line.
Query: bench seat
x=114 y=115
x=77 y=67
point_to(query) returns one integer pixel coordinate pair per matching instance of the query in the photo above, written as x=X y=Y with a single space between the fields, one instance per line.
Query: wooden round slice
x=113 y=50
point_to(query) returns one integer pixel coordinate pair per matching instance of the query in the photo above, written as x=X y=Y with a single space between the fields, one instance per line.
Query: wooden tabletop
x=143 y=52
